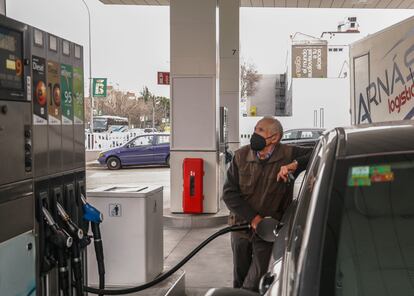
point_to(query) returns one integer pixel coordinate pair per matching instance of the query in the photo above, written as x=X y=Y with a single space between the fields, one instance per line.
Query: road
x=101 y=176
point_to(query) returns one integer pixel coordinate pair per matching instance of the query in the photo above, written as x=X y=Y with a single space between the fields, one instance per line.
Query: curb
x=185 y=221
x=94 y=164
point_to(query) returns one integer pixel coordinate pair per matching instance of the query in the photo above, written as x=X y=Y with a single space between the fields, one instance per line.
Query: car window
x=163 y=140
x=306 y=135
x=289 y=135
x=369 y=246
x=316 y=134
x=310 y=134
x=142 y=141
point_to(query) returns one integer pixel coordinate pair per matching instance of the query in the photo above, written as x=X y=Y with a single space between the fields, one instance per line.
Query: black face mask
x=258 y=142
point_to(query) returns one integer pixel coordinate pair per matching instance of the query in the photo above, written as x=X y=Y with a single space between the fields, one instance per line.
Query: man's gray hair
x=274 y=125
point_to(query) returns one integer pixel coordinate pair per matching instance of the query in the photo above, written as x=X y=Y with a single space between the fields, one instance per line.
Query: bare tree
x=162 y=110
x=148 y=96
x=135 y=108
x=249 y=78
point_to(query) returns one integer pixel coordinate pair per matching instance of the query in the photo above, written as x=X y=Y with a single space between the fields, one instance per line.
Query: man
x=256 y=187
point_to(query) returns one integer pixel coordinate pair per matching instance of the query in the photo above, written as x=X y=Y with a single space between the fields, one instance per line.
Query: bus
x=108 y=123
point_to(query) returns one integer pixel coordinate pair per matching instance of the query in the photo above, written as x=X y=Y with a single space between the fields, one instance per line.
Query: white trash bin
x=132 y=234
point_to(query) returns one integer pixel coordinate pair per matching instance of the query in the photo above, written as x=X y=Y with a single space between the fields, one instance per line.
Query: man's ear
x=276 y=139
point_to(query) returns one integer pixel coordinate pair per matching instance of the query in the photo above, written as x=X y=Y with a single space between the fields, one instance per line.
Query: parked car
x=350 y=230
x=142 y=150
x=302 y=137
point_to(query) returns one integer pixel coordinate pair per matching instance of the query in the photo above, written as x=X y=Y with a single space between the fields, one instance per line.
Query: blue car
x=141 y=150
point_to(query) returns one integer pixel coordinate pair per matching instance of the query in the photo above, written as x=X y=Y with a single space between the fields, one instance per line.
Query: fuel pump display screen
x=11 y=56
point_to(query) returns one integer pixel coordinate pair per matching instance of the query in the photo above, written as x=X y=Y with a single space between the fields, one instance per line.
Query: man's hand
x=285 y=170
x=256 y=220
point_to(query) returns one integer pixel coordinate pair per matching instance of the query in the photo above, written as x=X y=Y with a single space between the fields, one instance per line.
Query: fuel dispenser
x=224 y=129
x=17 y=240
x=57 y=99
x=65 y=178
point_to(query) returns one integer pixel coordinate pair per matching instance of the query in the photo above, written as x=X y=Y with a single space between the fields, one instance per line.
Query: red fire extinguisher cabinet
x=193 y=172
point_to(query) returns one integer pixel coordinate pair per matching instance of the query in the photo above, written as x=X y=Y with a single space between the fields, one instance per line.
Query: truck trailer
x=382 y=78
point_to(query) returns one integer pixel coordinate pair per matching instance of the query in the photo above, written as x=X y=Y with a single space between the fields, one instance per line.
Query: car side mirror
x=268 y=229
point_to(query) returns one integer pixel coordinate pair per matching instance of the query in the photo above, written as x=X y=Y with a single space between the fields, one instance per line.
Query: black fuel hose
x=63 y=273
x=77 y=269
x=97 y=241
x=167 y=274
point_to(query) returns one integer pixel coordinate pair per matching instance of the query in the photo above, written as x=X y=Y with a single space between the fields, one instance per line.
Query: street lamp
x=90 y=65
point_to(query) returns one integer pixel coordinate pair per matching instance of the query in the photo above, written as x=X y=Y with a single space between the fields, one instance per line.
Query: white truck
x=382 y=75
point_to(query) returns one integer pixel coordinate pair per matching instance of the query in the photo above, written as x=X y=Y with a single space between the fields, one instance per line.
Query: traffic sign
x=163 y=78
x=99 y=87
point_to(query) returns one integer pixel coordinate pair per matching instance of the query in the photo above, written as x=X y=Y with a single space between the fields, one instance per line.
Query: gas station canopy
x=381 y=4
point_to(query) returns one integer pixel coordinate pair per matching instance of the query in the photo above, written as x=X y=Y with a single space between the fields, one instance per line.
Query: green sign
x=359 y=176
x=78 y=106
x=367 y=175
x=66 y=84
x=99 y=87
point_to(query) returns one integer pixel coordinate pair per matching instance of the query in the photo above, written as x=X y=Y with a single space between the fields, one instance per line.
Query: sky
x=268 y=49
x=131 y=43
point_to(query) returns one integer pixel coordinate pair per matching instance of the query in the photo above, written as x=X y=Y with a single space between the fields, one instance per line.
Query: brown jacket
x=251 y=187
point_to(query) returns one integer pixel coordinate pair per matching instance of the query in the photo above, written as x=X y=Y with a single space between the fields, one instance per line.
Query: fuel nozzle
x=71 y=227
x=74 y=230
x=290 y=178
x=95 y=217
x=90 y=213
x=63 y=241
x=60 y=238
x=81 y=241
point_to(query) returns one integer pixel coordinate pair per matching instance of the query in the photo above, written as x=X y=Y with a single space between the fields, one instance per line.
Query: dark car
x=307 y=137
x=142 y=150
x=350 y=230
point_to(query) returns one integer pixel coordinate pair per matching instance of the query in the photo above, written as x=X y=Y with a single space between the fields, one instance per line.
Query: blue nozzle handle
x=91 y=214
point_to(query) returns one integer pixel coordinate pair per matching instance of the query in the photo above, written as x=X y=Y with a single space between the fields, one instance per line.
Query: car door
x=161 y=148
x=139 y=151
x=304 y=247
x=299 y=223
x=288 y=241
